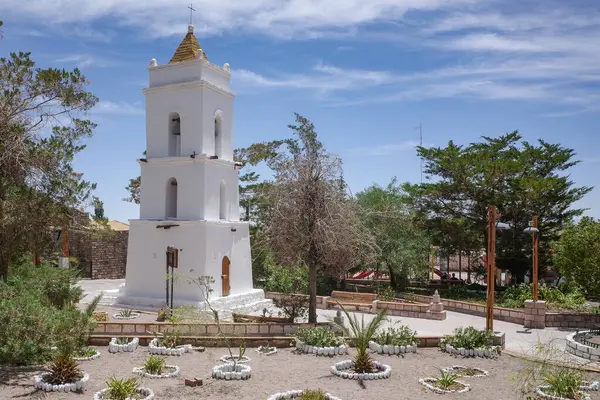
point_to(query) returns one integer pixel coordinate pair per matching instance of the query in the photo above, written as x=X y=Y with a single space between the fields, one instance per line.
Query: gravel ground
x=281 y=372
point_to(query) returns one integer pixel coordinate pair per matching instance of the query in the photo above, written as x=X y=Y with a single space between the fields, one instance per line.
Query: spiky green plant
x=564 y=382
x=126 y=313
x=154 y=364
x=123 y=340
x=446 y=380
x=122 y=389
x=361 y=334
x=63 y=369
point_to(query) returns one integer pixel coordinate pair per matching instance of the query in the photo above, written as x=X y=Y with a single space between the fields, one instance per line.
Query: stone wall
x=80 y=247
x=575 y=347
x=500 y=313
x=109 y=256
x=573 y=320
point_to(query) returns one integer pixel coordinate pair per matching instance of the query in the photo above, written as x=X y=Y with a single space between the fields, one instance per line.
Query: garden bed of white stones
x=238 y=360
x=266 y=350
x=143 y=391
x=489 y=352
x=392 y=350
x=344 y=369
x=540 y=392
x=292 y=394
x=322 y=351
x=456 y=370
x=114 y=347
x=141 y=371
x=92 y=357
x=67 y=387
x=132 y=316
x=227 y=372
x=428 y=383
x=167 y=351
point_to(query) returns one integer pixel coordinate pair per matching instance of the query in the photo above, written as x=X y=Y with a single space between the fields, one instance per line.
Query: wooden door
x=225 y=276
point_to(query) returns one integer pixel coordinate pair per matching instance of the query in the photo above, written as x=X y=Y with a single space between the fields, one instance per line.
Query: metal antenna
x=192 y=9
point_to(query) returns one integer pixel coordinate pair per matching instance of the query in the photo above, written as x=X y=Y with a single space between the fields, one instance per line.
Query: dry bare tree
x=313 y=220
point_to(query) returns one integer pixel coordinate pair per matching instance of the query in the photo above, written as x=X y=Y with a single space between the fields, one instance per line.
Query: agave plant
x=63 y=369
x=361 y=334
x=122 y=389
x=125 y=313
x=154 y=364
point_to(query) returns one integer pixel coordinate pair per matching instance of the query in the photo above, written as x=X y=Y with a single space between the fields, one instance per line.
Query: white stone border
x=582 y=350
x=540 y=392
x=490 y=352
x=93 y=357
x=392 y=350
x=166 y=351
x=145 y=391
x=114 y=347
x=292 y=394
x=268 y=353
x=427 y=382
x=134 y=315
x=322 y=351
x=141 y=371
x=67 y=387
x=455 y=369
x=339 y=369
x=242 y=360
x=226 y=372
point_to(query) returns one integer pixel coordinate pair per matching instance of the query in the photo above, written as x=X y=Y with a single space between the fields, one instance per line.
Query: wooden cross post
x=491 y=269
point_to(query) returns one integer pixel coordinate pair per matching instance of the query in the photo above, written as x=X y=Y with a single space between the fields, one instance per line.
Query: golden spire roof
x=188 y=48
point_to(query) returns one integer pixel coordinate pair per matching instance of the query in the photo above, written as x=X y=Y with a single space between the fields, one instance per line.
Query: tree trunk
x=469 y=266
x=459 y=264
x=393 y=282
x=312 y=291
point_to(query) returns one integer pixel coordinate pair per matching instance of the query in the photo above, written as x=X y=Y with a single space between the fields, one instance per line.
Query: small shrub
x=319 y=336
x=86 y=352
x=125 y=313
x=122 y=389
x=154 y=364
x=290 y=281
x=386 y=294
x=402 y=336
x=564 y=382
x=447 y=381
x=468 y=338
x=100 y=316
x=63 y=369
x=123 y=340
x=168 y=339
x=312 y=395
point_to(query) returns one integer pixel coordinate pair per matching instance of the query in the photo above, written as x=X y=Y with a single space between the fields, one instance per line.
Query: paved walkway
x=518 y=339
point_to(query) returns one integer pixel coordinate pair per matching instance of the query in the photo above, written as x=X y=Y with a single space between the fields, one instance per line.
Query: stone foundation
x=581 y=350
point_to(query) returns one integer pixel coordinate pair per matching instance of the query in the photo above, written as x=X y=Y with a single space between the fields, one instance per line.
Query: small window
x=174 y=135
x=218 y=139
x=171 y=199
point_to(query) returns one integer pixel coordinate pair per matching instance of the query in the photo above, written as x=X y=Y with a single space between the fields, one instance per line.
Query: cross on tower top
x=192 y=9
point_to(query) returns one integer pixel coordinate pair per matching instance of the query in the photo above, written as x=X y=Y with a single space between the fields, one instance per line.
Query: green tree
x=40 y=133
x=520 y=178
x=312 y=220
x=399 y=234
x=577 y=255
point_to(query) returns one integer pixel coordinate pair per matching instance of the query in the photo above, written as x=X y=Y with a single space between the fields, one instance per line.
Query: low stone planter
x=92 y=357
x=493 y=351
x=173 y=372
x=229 y=359
x=292 y=394
x=167 y=351
x=456 y=369
x=541 y=392
x=114 y=347
x=392 y=350
x=133 y=316
x=143 y=391
x=322 y=351
x=428 y=383
x=345 y=370
x=266 y=351
x=227 y=372
x=67 y=387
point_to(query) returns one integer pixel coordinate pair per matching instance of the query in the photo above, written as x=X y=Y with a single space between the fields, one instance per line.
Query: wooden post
x=535 y=237
x=65 y=242
x=491 y=269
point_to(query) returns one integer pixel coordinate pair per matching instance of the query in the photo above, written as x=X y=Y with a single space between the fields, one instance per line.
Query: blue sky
x=365 y=72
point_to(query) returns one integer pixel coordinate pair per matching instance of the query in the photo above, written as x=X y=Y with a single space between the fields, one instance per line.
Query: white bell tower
x=189 y=189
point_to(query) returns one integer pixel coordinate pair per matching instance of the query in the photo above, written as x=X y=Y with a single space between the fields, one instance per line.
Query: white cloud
x=283 y=18
x=118 y=108
x=84 y=61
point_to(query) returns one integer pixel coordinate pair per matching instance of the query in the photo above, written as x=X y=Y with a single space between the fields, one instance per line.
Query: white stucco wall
x=203 y=246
